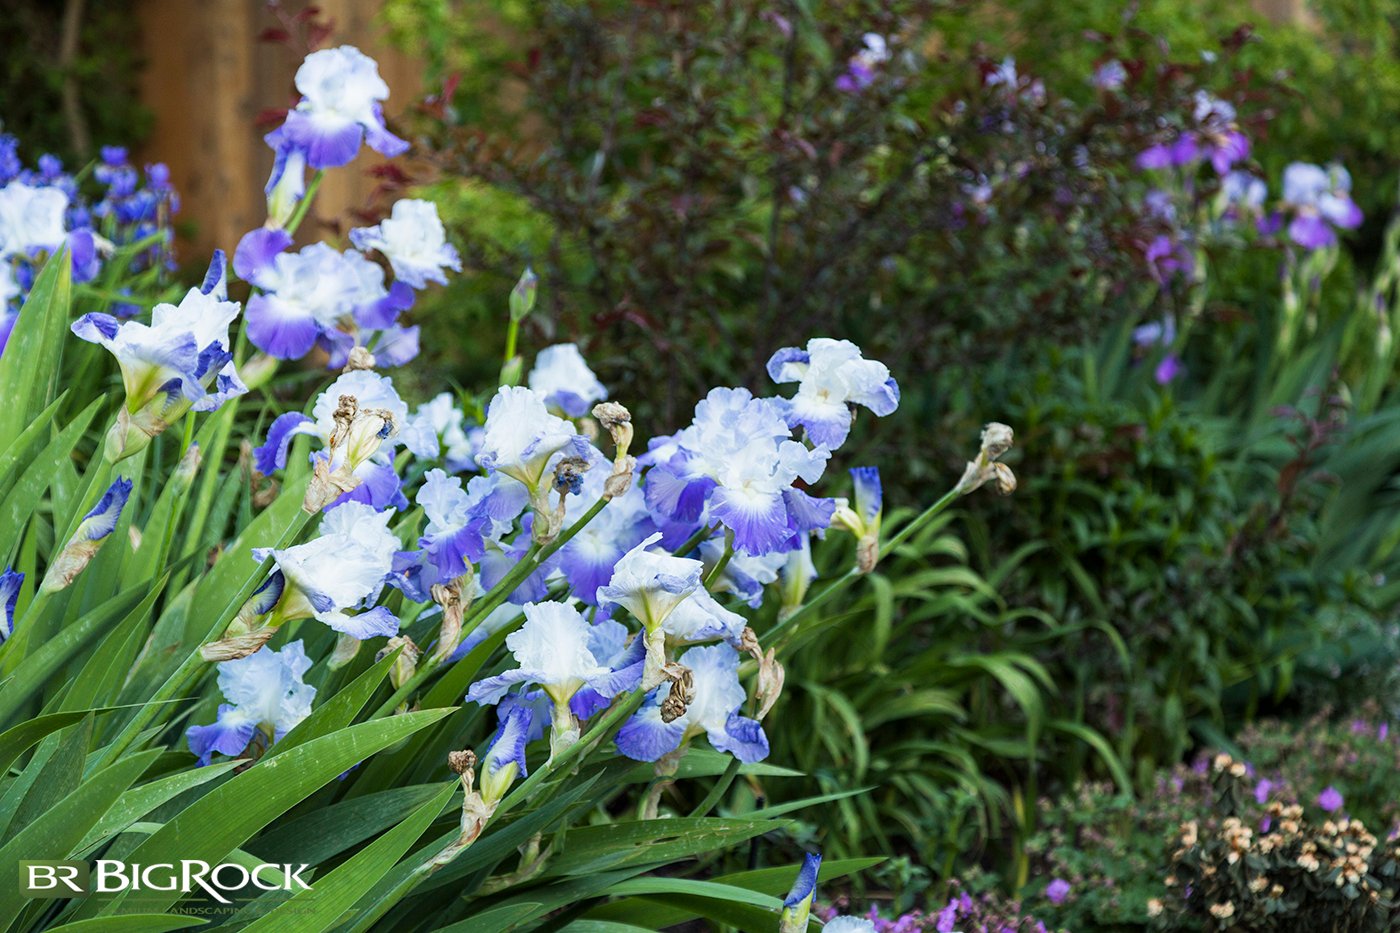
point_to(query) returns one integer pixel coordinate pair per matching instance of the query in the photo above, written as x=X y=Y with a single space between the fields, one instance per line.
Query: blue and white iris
x=413 y=240
x=342 y=569
x=554 y=651
x=521 y=437
x=736 y=465
x=650 y=584
x=562 y=376
x=341 y=106
x=317 y=295
x=713 y=711
x=264 y=693
x=1320 y=202
x=31 y=219
x=438 y=430
x=182 y=360
x=831 y=376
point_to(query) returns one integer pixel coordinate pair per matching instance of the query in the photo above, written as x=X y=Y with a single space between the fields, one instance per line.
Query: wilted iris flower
x=358 y=447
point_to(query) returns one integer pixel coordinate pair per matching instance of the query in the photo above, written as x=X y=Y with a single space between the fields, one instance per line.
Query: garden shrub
x=1277 y=867
x=680 y=205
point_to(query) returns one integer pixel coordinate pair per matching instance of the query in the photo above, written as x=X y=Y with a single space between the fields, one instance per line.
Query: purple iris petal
x=272 y=455
x=257 y=251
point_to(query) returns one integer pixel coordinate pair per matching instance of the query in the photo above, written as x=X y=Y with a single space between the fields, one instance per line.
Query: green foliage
x=37 y=83
x=103 y=676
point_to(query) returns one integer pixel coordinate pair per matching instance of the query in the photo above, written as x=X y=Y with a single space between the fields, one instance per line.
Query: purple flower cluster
x=126 y=218
x=319 y=296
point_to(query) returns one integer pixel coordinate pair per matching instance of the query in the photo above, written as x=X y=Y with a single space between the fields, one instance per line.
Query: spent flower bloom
x=412 y=238
x=182 y=360
x=264 y=693
x=341 y=106
x=357 y=457
x=711 y=709
x=832 y=376
x=562 y=376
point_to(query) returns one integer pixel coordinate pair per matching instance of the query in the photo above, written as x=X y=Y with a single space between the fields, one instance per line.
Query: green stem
x=724 y=559
x=495 y=597
x=695 y=540
x=718 y=790
x=614 y=716
x=304 y=205
x=850 y=576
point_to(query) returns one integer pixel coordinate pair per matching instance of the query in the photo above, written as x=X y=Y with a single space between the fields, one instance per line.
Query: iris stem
x=716 y=792
x=724 y=559
x=850 y=576
x=497 y=595
x=591 y=738
x=304 y=205
x=695 y=540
